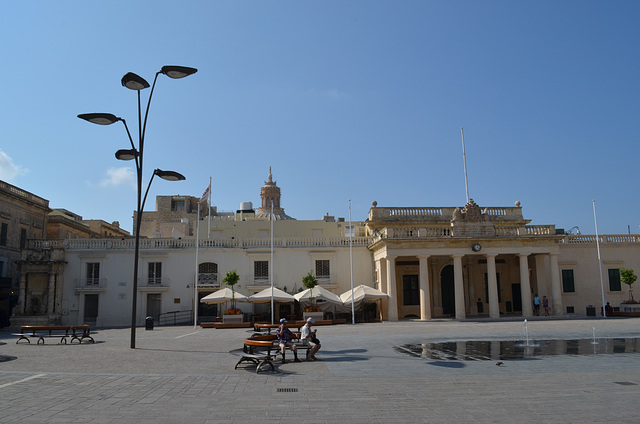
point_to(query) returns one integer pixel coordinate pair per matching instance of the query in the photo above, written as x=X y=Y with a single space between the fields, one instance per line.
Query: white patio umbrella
x=223 y=295
x=318 y=293
x=264 y=296
x=362 y=292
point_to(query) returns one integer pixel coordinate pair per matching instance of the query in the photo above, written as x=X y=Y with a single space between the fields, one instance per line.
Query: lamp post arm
x=144 y=200
x=146 y=113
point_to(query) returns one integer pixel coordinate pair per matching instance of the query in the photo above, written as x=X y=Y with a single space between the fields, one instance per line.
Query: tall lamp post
x=137 y=83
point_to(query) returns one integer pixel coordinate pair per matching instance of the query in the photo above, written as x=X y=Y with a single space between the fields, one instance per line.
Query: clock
x=476 y=247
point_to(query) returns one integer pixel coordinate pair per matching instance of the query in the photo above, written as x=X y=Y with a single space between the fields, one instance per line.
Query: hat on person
x=283 y=320
x=311 y=320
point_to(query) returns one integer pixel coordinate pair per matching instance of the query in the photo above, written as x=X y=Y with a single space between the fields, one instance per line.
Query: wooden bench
x=257 y=352
x=63 y=332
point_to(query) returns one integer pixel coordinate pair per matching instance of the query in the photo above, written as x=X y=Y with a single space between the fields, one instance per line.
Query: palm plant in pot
x=231 y=279
x=628 y=277
x=309 y=281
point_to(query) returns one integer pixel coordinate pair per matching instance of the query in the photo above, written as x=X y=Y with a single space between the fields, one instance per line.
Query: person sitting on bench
x=284 y=340
x=309 y=338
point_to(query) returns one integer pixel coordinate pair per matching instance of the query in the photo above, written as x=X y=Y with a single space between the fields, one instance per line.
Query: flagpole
x=195 y=283
x=464 y=158
x=209 y=208
x=595 y=220
x=353 y=308
x=271 y=265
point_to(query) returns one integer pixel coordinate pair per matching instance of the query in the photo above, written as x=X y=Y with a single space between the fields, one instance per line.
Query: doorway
x=154 y=303
x=448 y=291
x=91 y=308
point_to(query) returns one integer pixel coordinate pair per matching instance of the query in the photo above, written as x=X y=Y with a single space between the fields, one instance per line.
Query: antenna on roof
x=464 y=158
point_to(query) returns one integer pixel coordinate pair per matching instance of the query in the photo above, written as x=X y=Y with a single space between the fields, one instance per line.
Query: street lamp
x=137 y=83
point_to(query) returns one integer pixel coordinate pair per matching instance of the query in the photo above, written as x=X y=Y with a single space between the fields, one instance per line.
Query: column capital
x=423 y=256
x=524 y=254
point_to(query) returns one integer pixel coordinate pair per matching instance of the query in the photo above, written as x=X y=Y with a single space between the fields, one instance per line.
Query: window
x=208 y=273
x=322 y=268
x=155 y=272
x=261 y=270
x=410 y=290
x=93 y=274
x=3 y=234
x=23 y=238
x=568 y=285
x=177 y=205
x=614 y=280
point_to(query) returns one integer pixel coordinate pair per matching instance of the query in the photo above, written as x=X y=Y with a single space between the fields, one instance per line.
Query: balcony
x=90 y=285
x=208 y=279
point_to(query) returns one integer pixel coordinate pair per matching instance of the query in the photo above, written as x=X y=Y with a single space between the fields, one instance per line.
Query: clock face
x=476 y=247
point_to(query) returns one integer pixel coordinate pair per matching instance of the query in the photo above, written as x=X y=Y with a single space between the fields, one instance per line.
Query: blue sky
x=360 y=100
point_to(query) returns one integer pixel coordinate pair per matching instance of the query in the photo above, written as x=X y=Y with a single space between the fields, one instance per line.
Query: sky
x=347 y=101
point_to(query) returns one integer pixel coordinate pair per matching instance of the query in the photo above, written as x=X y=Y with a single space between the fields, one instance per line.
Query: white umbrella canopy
x=223 y=295
x=265 y=296
x=362 y=292
x=317 y=293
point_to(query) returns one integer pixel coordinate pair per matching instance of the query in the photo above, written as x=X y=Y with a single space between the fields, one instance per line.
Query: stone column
x=494 y=305
x=20 y=308
x=556 y=289
x=51 y=293
x=525 y=285
x=383 y=287
x=458 y=284
x=391 y=288
x=425 y=290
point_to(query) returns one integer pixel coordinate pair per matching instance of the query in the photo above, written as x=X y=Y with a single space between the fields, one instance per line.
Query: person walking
x=536 y=304
x=545 y=305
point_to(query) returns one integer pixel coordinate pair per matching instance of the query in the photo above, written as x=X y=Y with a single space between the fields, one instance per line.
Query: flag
x=206 y=193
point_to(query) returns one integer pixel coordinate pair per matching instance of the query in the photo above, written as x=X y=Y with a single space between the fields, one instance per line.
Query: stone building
x=431 y=262
x=23 y=217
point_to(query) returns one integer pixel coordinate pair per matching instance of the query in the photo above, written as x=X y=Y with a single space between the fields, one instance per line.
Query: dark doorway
x=91 y=308
x=448 y=291
x=154 y=305
x=516 y=297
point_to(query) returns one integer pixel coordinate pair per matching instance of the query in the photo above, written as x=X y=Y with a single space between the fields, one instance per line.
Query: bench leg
x=23 y=338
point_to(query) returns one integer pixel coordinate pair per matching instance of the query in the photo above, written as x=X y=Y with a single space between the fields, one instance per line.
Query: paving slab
x=185 y=374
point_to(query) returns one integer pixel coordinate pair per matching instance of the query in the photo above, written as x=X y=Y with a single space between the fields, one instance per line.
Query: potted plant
x=309 y=281
x=628 y=277
x=232 y=314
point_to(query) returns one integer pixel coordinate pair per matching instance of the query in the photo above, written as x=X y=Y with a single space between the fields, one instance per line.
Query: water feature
x=482 y=350
x=528 y=342
x=595 y=341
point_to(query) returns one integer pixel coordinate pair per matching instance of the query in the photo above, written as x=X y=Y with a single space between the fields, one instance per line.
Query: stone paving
x=186 y=375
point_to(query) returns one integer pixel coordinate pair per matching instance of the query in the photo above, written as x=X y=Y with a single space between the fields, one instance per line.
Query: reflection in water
x=507 y=349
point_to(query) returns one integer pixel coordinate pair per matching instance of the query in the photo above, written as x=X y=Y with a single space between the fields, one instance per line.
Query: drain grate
x=625 y=383
x=287 y=390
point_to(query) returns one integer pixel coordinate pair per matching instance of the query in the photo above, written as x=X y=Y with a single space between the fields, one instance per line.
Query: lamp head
x=169 y=175
x=177 y=72
x=127 y=154
x=99 y=118
x=134 y=82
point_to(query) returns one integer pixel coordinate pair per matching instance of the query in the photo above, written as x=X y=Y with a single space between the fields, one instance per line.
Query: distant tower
x=270 y=195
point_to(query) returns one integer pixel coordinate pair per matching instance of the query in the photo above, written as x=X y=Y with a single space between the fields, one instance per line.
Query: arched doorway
x=448 y=291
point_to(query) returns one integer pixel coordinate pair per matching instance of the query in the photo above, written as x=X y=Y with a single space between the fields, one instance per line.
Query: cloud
x=9 y=170
x=118 y=177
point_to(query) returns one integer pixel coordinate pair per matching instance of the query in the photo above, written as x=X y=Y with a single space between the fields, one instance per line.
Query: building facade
x=432 y=262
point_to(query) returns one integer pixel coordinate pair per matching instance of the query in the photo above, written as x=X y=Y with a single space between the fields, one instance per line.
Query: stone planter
x=315 y=315
x=229 y=319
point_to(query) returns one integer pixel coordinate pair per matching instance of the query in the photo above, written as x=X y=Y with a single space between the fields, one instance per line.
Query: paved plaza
x=186 y=375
